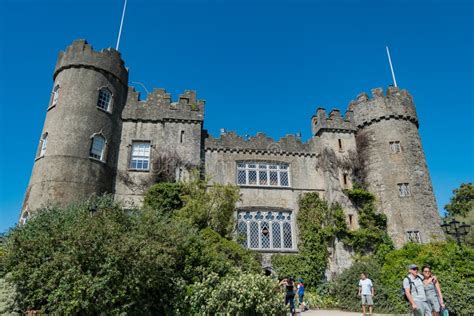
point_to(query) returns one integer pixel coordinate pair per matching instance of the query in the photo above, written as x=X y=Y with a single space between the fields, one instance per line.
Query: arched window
x=55 y=95
x=42 y=145
x=97 y=150
x=265 y=230
x=105 y=99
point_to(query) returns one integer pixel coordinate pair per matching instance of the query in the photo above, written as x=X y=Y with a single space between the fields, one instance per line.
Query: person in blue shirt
x=300 y=287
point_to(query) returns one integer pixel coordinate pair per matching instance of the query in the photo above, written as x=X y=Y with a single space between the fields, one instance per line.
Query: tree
x=462 y=201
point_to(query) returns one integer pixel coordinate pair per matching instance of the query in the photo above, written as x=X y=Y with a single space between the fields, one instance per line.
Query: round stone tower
x=79 y=144
x=389 y=144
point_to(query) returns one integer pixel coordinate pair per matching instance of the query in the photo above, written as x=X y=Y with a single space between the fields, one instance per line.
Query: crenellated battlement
x=159 y=106
x=395 y=104
x=260 y=143
x=332 y=123
x=81 y=54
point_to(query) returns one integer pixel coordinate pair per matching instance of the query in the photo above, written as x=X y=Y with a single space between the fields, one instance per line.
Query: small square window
x=404 y=189
x=105 y=98
x=395 y=147
x=414 y=236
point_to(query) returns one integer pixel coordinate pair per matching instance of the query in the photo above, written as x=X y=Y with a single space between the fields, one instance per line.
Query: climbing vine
x=320 y=223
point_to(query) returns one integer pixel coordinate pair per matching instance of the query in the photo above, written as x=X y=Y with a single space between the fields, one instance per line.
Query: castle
x=98 y=137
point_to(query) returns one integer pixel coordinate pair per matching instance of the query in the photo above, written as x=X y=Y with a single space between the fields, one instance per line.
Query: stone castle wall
x=175 y=130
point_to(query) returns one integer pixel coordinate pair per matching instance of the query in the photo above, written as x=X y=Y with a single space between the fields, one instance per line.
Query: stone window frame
x=263 y=217
x=130 y=155
x=25 y=216
x=404 y=189
x=414 y=236
x=271 y=166
x=43 y=143
x=111 y=99
x=340 y=145
x=395 y=146
x=103 y=155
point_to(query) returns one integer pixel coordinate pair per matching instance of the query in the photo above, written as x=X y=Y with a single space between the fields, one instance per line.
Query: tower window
x=265 y=230
x=105 y=98
x=43 y=144
x=55 y=95
x=181 y=137
x=24 y=218
x=140 y=159
x=339 y=142
x=97 y=147
x=344 y=178
x=404 y=189
x=395 y=147
x=414 y=236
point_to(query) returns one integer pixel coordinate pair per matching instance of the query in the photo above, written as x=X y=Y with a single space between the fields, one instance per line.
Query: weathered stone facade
x=381 y=133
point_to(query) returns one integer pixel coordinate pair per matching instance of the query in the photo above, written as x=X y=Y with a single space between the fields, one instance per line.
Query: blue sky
x=261 y=66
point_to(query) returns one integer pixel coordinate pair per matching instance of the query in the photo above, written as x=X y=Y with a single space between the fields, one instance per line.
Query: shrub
x=164 y=197
x=452 y=265
x=236 y=294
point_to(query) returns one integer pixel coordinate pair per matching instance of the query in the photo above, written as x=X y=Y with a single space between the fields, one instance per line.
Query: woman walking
x=290 y=286
x=433 y=291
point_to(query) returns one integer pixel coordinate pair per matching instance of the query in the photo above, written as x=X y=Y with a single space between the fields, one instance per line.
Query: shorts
x=300 y=297
x=434 y=303
x=422 y=309
x=367 y=300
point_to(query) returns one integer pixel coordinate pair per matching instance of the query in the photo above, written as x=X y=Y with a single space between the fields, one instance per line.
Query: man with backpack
x=415 y=292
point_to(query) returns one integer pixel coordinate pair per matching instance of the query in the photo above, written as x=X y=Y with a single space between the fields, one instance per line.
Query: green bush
x=345 y=286
x=236 y=294
x=452 y=265
x=164 y=197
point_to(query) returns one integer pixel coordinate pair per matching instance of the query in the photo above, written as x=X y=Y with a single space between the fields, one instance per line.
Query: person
x=432 y=291
x=300 y=287
x=289 y=284
x=415 y=292
x=366 y=292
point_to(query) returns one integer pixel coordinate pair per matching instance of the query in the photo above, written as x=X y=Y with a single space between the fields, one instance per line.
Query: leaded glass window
x=265 y=230
x=404 y=189
x=263 y=173
x=140 y=159
x=414 y=236
x=105 y=98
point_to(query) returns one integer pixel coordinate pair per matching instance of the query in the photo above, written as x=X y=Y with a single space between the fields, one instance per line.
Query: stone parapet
x=159 y=107
x=332 y=123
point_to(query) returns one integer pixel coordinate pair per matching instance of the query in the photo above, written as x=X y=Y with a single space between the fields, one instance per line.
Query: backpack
x=402 y=292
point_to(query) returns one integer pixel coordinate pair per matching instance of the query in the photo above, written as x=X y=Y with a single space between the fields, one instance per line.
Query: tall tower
x=78 y=149
x=389 y=143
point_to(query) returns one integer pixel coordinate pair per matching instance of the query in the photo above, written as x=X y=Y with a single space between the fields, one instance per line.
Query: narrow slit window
x=181 y=137
x=344 y=178
x=339 y=142
x=351 y=221
x=43 y=144
x=55 y=95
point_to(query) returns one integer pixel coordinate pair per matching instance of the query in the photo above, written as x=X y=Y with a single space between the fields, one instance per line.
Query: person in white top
x=366 y=292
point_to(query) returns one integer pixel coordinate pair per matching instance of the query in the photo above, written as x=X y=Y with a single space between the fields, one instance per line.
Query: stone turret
x=388 y=139
x=64 y=169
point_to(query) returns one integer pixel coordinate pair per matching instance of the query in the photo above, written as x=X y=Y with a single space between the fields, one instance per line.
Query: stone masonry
x=381 y=132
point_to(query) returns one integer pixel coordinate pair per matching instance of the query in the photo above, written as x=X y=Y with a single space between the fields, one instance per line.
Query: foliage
x=372 y=236
x=318 y=223
x=94 y=257
x=452 y=265
x=345 y=287
x=7 y=297
x=236 y=294
x=164 y=196
x=212 y=206
x=462 y=201
x=97 y=258
x=315 y=300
